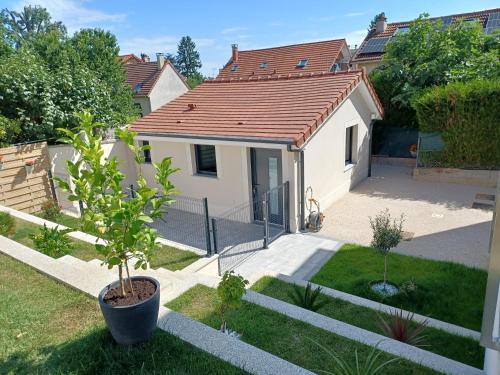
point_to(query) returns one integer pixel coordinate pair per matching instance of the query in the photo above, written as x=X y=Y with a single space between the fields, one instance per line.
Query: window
x=146 y=153
x=402 y=29
x=349 y=138
x=137 y=88
x=139 y=107
x=302 y=63
x=263 y=65
x=234 y=68
x=206 y=163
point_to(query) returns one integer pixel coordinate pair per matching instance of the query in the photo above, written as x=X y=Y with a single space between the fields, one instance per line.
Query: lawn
x=459 y=348
x=48 y=328
x=167 y=257
x=446 y=291
x=280 y=335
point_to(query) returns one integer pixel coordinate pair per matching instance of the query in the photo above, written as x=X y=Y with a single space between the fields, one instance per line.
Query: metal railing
x=250 y=227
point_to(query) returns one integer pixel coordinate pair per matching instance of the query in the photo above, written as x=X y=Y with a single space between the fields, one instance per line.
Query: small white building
x=154 y=83
x=237 y=139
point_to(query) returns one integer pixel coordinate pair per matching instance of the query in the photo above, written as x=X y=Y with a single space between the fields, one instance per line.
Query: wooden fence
x=21 y=189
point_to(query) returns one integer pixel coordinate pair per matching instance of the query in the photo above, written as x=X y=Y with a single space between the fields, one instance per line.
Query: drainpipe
x=301 y=186
x=370 y=148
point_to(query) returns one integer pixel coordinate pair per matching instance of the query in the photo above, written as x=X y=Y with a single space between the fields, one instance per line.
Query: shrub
x=307 y=298
x=230 y=291
x=51 y=210
x=466 y=115
x=387 y=234
x=403 y=328
x=7 y=224
x=52 y=242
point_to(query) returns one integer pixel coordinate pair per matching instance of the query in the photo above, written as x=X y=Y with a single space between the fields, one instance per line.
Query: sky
x=156 y=26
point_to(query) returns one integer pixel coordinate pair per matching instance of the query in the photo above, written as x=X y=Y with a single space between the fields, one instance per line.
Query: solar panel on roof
x=493 y=23
x=375 y=45
x=402 y=29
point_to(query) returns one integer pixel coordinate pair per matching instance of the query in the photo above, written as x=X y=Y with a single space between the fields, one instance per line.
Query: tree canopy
x=187 y=61
x=428 y=55
x=46 y=77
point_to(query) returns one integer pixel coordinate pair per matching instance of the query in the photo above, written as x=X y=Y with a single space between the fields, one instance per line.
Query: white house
x=154 y=83
x=235 y=139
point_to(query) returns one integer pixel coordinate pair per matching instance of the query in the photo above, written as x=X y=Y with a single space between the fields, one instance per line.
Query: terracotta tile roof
x=481 y=16
x=283 y=60
x=130 y=58
x=284 y=108
x=142 y=76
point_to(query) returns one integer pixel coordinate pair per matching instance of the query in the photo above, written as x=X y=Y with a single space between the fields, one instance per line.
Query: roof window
x=263 y=65
x=234 y=68
x=137 y=88
x=302 y=63
x=402 y=29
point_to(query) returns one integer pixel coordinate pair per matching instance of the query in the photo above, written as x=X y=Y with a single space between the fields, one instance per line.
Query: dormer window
x=137 y=88
x=263 y=65
x=234 y=68
x=402 y=29
x=302 y=63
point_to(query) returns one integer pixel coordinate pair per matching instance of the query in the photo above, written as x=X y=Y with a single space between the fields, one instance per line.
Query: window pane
x=273 y=182
x=147 y=153
x=205 y=159
x=348 y=145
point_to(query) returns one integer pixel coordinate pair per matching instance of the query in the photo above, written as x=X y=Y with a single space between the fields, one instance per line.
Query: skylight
x=137 y=88
x=302 y=63
x=402 y=29
x=263 y=65
x=234 y=68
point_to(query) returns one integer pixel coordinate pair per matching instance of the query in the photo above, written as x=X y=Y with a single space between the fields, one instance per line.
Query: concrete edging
x=408 y=352
x=360 y=301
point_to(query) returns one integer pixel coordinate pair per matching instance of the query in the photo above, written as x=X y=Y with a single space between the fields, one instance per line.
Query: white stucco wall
x=168 y=87
x=59 y=154
x=324 y=155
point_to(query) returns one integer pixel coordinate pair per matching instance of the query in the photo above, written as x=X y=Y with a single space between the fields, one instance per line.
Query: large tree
x=187 y=60
x=32 y=20
x=430 y=54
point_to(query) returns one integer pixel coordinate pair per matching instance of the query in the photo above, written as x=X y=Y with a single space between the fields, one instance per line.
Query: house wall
x=369 y=66
x=325 y=172
x=144 y=103
x=168 y=87
x=59 y=154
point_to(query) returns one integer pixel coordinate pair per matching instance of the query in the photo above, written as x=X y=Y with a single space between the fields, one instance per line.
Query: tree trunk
x=128 y=278
x=122 y=284
x=222 y=319
x=385 y=270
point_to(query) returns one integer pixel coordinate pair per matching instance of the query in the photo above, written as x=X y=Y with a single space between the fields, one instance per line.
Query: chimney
x=144 y=57
x=234 y=48
x=160 y=60
x=380 y=23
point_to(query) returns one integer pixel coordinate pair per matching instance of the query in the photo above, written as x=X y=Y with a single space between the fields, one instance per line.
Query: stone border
x=434 y=323
x=397 y=348
x=229 y=349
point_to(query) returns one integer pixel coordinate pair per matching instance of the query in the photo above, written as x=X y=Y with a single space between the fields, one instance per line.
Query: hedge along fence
x=467 y=116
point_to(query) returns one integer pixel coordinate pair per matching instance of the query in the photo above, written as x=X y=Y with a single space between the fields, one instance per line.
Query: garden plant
x=51 y=210
x=230 y=292
x=403 y=328
x=307 y=298
x=52 y=241
x=7 y=224
x=120 y=219
x=387 y=234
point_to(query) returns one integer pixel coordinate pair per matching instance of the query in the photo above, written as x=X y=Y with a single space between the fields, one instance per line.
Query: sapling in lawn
x=387 y=234
x=230 y=291
x=120 y=219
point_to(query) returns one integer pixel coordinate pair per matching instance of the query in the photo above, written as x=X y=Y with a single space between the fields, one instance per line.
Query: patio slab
x=440 y=216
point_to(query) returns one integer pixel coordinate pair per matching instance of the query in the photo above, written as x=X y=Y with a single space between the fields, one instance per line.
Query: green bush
x=52 y=242
x=466 y=115
x=7 y=224
x=51 y=210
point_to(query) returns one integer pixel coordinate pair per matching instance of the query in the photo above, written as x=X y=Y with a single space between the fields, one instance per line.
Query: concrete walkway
x=438 y=215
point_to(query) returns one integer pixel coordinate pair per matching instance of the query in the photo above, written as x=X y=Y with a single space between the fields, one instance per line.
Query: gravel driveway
x=438 y=216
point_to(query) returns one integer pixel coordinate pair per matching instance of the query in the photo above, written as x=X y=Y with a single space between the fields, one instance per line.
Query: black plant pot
x=131 y=324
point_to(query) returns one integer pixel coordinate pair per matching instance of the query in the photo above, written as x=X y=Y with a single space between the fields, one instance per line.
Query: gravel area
x=439 y=219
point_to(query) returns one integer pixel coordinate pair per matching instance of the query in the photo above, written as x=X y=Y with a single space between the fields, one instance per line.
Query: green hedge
x=468 y=117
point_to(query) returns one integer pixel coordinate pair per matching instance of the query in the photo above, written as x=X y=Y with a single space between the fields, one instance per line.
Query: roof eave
x=282 y=141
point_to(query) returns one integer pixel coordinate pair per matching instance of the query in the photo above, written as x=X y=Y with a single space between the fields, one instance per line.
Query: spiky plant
x=307 y=298
x=370 y=366
x=403 y=328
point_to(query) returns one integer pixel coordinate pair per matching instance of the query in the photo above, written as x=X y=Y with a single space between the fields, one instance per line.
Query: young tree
x=188 y=59
x=430 y=54
x=32 y=20
x=230 y=291
x=121 y=220
x=387 y=234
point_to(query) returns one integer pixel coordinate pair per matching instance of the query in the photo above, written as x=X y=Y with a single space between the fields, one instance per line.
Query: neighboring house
x=327 y=56
x=236 y=139
x=370 y=52
x=154 y=83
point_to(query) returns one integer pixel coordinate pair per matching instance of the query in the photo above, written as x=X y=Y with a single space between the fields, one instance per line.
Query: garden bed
x=49 y=328
x=280 y=335
x=465 y=350
x=445 y=291
x=167 y=257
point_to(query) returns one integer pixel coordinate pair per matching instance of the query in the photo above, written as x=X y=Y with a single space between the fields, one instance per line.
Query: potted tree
x=387 y=234
x=129 y=305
